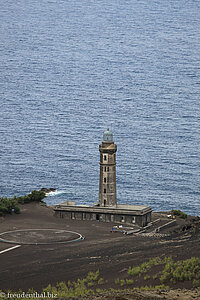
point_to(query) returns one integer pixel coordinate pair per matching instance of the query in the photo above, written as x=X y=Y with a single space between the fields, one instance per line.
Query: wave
x=56 y=193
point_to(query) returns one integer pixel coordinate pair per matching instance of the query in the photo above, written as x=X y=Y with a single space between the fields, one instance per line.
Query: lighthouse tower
x=107 y=179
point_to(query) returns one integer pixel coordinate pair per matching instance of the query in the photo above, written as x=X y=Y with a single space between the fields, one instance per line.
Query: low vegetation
x=144 y=267
x=188 y=269
x=9 y=206
x=172 y=272
x=36 y=196
x=179 y=213
x=63 y=290
x=76 y=289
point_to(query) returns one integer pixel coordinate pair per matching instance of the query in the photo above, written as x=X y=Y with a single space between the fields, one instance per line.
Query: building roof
x=119 y=209
x=131 y=207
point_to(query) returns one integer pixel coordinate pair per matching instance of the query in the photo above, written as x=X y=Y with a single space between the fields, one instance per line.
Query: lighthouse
x=107 y=178
x=107 y=209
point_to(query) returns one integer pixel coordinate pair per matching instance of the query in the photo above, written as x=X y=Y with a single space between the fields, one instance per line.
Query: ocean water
x=69 y=69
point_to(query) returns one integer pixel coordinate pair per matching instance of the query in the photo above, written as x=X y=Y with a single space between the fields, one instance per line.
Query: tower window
x=105 y=179
x=108 y=169
x=104 y=191
x=105 y=158
x=105 y=169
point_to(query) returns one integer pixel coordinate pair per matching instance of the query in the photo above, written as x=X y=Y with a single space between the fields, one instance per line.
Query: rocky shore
x=47 y=190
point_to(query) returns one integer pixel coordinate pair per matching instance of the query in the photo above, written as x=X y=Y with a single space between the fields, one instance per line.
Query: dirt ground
x=36 y=266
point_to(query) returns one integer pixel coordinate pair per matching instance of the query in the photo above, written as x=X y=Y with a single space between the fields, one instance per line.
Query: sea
x=70 y=69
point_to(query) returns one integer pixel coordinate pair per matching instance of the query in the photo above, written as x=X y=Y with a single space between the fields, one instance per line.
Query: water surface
x=69 y=69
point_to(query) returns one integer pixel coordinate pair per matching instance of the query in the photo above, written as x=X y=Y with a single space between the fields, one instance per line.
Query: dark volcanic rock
x=45 y=190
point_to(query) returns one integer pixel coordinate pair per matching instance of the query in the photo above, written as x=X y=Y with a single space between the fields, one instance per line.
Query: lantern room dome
x=107 y=136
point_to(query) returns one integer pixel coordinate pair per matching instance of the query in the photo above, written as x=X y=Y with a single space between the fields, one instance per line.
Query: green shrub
x=7 y=206
x=92 y=276
x=100 y=281
x=91 y=284
x=17 y=210
x=36 y=196
x=24 y=199
x=195 y=283
x=71 y=290
x=181 y=270
x=129 y=281
x=134 y=271
x=179 y=213
x=122 y=282
x=144 y=267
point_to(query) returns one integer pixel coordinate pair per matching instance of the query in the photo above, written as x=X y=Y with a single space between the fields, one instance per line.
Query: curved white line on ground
x=34 y=229
x=9 y=249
